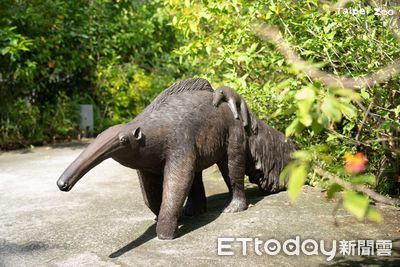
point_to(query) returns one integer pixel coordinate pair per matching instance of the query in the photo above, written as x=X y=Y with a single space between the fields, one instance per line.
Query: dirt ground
x=103 y=221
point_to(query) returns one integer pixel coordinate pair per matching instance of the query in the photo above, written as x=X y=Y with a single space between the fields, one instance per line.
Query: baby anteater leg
x=233 y=107
x=244 y=113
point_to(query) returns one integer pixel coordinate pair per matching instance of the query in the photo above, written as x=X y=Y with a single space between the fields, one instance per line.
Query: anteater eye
x=123 y=140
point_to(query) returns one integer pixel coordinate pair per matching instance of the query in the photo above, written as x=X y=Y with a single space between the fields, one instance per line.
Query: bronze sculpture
x=177 y=136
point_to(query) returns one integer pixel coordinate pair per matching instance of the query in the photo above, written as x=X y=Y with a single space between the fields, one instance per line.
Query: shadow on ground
x=27 y=247
x=215 y=203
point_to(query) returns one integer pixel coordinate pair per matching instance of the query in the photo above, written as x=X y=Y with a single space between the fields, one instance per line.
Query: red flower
x=355 y=163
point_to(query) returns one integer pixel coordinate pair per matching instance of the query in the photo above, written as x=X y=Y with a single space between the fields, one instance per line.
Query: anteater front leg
x=151 y=185
x=178 y=179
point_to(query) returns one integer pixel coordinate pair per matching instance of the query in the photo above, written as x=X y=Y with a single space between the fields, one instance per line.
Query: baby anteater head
x=219 y=95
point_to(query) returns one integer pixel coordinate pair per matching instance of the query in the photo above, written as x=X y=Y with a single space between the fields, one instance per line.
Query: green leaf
x=397 y=111
x=348 y=93
x=306 y=93
x=296 y=181
x=363 y=179
x=280 y=62
x=306 y=119
x=316 y=127
x=332 y=190
x=187 y=3
x=302 y=155
x=288 y=169
x=305 y=97
x=331 y=137
x=364 y=94
x=4 y=50
x=330 y=107
x=348 y=110
x=323 y=120
x=349 y=126
x=252 y=48
x=193 y=26
x=208 y=49
x=356 y=204
x=293 y=128
x=374 y=215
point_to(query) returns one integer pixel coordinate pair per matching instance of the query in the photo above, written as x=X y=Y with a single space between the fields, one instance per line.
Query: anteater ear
x=137 y=133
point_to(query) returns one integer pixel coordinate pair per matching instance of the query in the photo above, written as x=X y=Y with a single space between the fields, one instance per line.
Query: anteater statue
x=177 y=136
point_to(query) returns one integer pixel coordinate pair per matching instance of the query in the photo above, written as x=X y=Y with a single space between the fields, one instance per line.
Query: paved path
x=103 y=221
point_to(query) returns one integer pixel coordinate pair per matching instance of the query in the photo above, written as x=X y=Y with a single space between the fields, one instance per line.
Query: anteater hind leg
x=223 y=168
x=151 y=185
x=196 y=203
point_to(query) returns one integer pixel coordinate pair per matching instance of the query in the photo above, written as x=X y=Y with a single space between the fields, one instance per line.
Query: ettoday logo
x=291 y=247
x=309 y=247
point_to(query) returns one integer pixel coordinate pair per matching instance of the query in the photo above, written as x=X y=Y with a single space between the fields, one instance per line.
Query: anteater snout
x=63 y=185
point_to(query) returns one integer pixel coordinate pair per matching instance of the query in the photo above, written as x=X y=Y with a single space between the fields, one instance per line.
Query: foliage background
x=117 y=55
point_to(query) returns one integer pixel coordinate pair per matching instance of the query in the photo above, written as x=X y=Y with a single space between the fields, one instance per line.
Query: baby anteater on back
x=234 y=100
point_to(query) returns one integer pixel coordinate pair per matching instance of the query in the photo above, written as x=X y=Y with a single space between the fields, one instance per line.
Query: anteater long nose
x=62 y=185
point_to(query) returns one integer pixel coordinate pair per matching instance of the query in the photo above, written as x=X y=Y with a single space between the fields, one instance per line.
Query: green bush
x=19 y=124
x=57 y=54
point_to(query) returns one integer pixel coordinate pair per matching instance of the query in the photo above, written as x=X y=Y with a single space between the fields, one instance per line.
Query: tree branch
x=359 y=188
x=272 y=34
x=364 y=119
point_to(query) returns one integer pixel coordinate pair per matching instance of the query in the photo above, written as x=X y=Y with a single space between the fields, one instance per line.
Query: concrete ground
x=103 y=221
